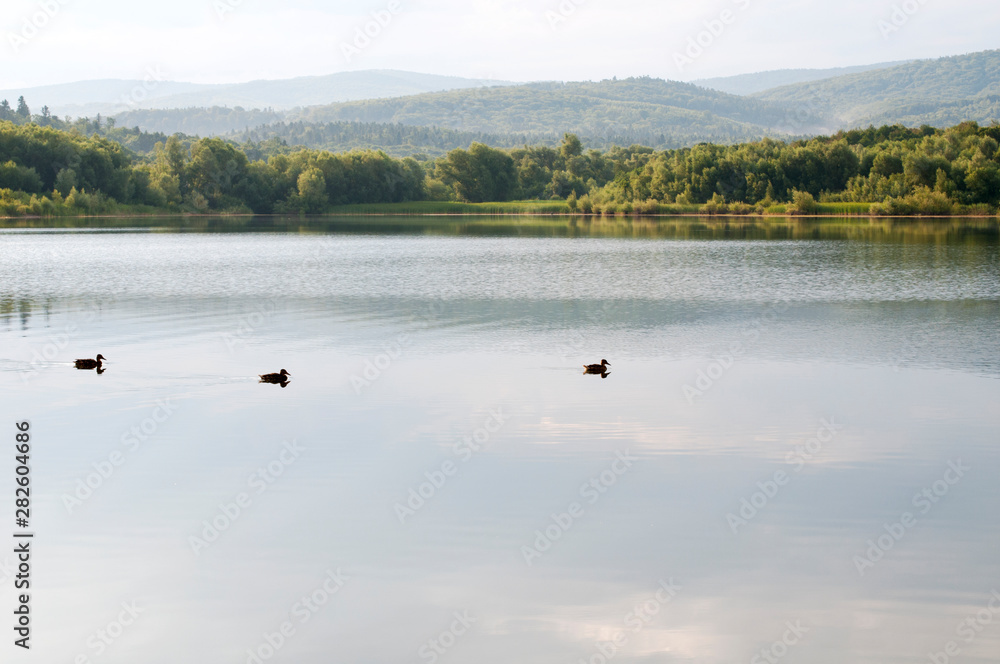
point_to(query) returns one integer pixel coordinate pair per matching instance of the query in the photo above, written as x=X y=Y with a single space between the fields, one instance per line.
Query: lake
x=794 y=456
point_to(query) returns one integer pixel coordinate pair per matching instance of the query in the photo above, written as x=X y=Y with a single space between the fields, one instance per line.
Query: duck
x=601 y=368
x=276 y=378
x=91 y=364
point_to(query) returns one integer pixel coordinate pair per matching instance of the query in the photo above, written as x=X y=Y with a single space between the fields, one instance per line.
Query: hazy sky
x=209 y=41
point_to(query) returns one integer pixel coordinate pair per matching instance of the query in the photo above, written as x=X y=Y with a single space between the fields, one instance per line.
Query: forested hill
x=653 y=112
x=197 y=121
x=681 y=112
x=107 y=97
x=645 y=111
x=396 y=140
x=936 y=92
x=748 y=84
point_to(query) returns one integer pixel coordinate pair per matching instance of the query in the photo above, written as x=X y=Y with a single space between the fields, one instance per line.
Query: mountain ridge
x=111 y=96
x=613 y=106
x=659 y=113
x=878 y=96
x=756 y=82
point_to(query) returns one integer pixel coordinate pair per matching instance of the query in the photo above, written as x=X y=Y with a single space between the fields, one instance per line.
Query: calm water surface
x=781 y=395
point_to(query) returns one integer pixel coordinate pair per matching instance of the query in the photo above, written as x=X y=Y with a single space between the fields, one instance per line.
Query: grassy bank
x=82 y=205
x=78 y=204
x=647 y=209
x=448 y=207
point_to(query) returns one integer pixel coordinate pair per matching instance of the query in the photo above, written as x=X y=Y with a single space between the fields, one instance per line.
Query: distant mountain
x=407 y=113
x=661 y=114
x=748 y=84
x=88 y=98
x=936 y=92
x=664 y=113
x=108 y=97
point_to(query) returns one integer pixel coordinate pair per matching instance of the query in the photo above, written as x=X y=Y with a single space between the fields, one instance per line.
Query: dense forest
x=134 y=139
x=264 y=139
x=938 y=92
x=211 y=121
x=685 y=113
x=757 y=82
x=661 y=114
x=406 y=140
x=51 y=166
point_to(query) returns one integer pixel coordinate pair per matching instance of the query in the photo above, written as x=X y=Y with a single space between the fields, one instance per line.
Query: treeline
x=212 y=121
x=402 y=140
x=898 y=169
x=889 y=170
x=140 y=131
x=44 y=170
x=395 y=139
x=134 y=138
x=942 y=114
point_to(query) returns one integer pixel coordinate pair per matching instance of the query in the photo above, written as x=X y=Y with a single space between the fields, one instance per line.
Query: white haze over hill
x=232 y=41
x=109 y=97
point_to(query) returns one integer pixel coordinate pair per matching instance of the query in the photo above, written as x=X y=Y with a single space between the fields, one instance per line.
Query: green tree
x=65 y=181
x=886 y=164
x=571 y=146
x=312 y=191
x=22 y=108
x=217 y=171
x=19 y=178
x=943 y=184
x=481 y=174
x=920 y=169
x=983 y=184
x=172 y=156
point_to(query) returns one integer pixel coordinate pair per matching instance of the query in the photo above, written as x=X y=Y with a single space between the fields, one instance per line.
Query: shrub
x=923 y=201
x=648 y=206
x=742 y=208
x=716 y=206
x=803 y=203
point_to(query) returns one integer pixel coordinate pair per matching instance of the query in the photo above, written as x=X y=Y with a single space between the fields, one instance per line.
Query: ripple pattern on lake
x=859 y=361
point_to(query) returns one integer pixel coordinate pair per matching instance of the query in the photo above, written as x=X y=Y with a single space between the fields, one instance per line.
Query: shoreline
x=553 y=215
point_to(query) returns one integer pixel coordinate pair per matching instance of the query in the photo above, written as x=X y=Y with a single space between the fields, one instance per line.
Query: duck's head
x=285 y=373
x=101 y=358
x=605 y=363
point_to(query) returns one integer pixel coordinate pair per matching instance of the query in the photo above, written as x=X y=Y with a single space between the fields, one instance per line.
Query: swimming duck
x=91 y=364
x=276 y=378
x=601 y=368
